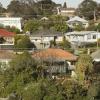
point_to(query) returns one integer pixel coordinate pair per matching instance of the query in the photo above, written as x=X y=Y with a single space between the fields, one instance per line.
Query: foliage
x=59 y=23
x=84 y=67
x=61 y=27
x=31 y=26
x=15 y=7
x=2 y=10
x=31 y=8
x=2 y=40
x=78 y=28
x=65 y=5
x=98 y=27
x=65 y=44
x=22 y=42
x=86 y=9
x=13 y=29
x=47 y=7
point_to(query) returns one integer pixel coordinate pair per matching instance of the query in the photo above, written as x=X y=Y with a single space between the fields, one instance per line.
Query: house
x=42 y=38
x=96 y=56
x=11 y=21
x=44 y=18
x=5 y=57
x=82 y=37
x=66 y=11
x=6 y=38
x=96 y=60
x=56 y=60
x=77 y=21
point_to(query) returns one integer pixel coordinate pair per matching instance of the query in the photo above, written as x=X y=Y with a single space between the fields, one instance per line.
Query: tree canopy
x=31 y=8
x=87 y=9
x=84 y=67
x=23 y=43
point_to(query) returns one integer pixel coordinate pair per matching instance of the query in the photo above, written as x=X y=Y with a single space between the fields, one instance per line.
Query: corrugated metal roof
x=76 y=18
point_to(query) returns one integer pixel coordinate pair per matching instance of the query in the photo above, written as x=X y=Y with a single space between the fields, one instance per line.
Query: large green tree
x=58 y=23
x=22 y=42
x=2 y=10
x=84 y=67
x=31 y=26
x=87 y=9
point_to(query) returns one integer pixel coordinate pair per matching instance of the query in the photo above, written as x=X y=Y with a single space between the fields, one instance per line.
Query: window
x=94 y=36
x=89 y=36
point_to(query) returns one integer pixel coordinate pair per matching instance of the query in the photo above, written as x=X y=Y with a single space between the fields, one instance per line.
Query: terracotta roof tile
x=56 y=54
x=6 y=33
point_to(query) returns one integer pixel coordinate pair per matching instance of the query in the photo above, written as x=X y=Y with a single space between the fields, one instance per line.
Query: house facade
x=42 y=39
x=56 y=60
x=6 y=38
x=11 y=21
x=68 y=12
x=77 y=21
x=83 y=37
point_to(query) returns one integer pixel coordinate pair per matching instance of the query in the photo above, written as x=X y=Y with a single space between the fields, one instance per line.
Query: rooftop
x=77 y=18
x=46 y=33
x=55 y=54
x=81 y=33
x=5 y=33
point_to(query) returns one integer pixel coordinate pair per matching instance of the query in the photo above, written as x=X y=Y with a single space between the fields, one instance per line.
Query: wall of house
x=6 y=21
x=8 y=40
x=90 y=37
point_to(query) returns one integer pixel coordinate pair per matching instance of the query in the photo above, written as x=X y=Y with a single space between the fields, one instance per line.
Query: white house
x=77 y=21
x=6 y=39
x=11 y=21
x=82 y=37
x=43 y=38
x=69 y=12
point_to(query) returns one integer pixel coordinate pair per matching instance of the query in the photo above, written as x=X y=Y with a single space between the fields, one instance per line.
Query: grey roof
x=48 y=33
x=96 y=55
x=81 y=33
x=76 y=18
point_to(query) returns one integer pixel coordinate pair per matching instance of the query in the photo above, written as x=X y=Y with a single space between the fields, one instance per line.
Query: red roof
x=55 y=53
x=6 y=33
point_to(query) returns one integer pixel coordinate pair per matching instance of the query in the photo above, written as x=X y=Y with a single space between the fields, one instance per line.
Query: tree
x=65 y=5
x=23 y=62
x=2 y=10
x=47 y=7
x=13 y=29
x=31 y=26
x=98 y=27
x=59 y=23
x=78 y=28
x=15 y=7
x=22 y=42
x=84 y=67
x=87 y=9
x=65 y=44
x=22 y=8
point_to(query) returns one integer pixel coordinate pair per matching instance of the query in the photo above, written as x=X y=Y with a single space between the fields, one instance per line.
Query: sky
x=70 y=3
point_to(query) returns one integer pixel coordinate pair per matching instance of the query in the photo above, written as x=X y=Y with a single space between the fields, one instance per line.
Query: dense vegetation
x=25 y=80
